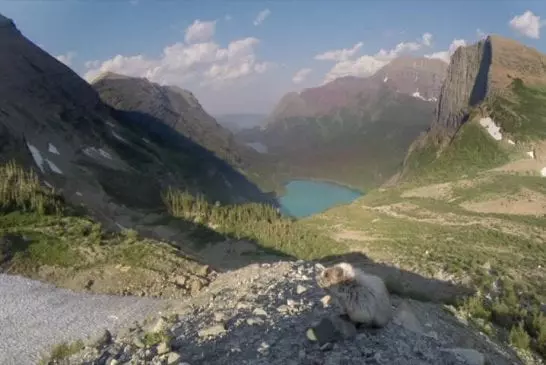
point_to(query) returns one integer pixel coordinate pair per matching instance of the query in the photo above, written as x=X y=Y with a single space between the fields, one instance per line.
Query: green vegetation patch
x=260 y=223
x=62 y=351
x=523 y=114
x=21 y=190
x=471 y=151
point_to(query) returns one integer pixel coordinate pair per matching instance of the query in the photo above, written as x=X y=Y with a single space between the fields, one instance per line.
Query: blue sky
x=150 y=38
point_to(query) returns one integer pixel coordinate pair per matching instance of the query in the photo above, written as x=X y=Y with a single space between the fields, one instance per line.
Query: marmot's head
x=335 y=275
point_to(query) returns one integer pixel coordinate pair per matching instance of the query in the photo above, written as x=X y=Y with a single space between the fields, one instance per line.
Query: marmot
x=362 y=297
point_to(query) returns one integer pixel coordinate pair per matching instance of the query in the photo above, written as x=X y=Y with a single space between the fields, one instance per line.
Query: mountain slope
x=173 y=106
x=94 y=154
x=470 y=204
x=353 y=130
x=494 y=88
x=238 y=122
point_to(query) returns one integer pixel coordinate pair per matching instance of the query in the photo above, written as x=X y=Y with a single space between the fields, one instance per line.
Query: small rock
x=104 y=339
x=243 y=305
x=291 y=302
x=180 y=280
x=173 y=358
x=326 y=301
x=160 y=325
x=255 y=321
x=137 y=341
x=432 y=334
x=219 y=317
x=113 y=362
x=264 y=348
x=204 y=270
x=470 y=356
x=300 y=289
x=283 y=308
x=196 y=286
x=259 y=312
x=163 y=348
x=212 y=331
x=310 y=333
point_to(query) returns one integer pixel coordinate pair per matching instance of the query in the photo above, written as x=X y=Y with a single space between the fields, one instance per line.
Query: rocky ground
x=263 y=313
x=35 y=316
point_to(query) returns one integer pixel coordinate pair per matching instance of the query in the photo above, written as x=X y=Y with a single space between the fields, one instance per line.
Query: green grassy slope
x=454 y=218
x=43 y=238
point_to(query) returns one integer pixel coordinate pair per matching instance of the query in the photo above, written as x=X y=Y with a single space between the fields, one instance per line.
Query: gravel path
x=35 y=316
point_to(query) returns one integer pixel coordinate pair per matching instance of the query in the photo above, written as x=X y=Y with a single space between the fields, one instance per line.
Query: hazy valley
x=429 y=174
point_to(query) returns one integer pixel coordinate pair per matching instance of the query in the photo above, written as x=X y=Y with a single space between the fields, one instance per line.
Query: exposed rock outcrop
x=256 y=315
x=173 y=106
x=465 y=85
x=416 y=76
x=480 y=70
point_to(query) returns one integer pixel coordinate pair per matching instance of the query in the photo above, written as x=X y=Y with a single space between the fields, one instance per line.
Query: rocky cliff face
x=480 y=70
x=465 y=85
x=419 y=77
x=173 y=106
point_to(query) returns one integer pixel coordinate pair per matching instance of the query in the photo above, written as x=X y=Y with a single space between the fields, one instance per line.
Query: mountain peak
x=111 y=76
x=418 y=76
x=483 y=69
x=6 y=22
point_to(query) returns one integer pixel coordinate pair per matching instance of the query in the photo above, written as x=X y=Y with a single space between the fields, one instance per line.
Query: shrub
x=21 y=190
x=519 y=337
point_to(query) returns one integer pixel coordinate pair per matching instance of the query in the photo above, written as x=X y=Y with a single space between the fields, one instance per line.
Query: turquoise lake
x=305 y=197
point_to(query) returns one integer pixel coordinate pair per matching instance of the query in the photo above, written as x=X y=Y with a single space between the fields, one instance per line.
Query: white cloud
x=183 y=64
x=527 y=24
x=200 y=31
x=262 y=15
x=228 y=17
x=339 y=54
x=66 y=58
x=480 y=34
x=301 y=75
x=427 y=39
x=366 y=65
x=92 y=64
x=446 y=55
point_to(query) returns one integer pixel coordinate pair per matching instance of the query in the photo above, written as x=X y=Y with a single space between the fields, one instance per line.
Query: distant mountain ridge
x=240 y=121
x=353 y=130
x=407 y=75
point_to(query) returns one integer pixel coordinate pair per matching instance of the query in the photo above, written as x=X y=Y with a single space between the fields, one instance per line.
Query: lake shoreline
x=307 y=197
x=320 y=180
